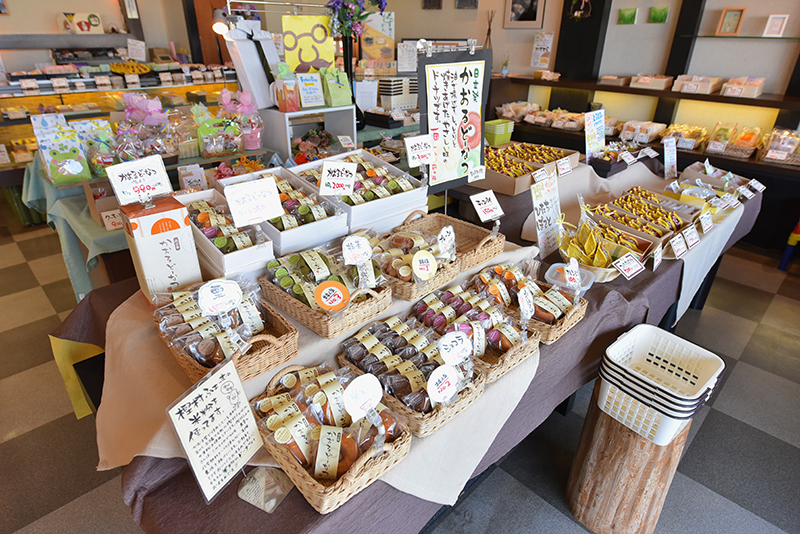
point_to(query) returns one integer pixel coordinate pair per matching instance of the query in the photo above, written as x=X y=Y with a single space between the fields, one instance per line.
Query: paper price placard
x=60 y=85
x=745 y=192
x=670 y=159
x=346 y=141
x=717 y=146
x=29 y=83
x=658 y=255
x=718 y=203
x=649 y=152
x=539 y=175
x=678 y=245
x=216 y=428
x=476 y=173
x=363 y=393
x=254 y=202
x=132 y=80
x=546 y=212
x=627 y=157
x=419 y=149
x=338 y=178
x=446 y=239
x=487 y=206
x=356 y=249
x=572 y=274
x=777 y=154
x=527 y=307
x=219 y=296
x=706 y=223
x=758 y=186
x=710 y=170
x=727 y=197
x=692 y=237
x=687 y=144
x=398 y=115
x=442 y=384
x=454 y=347
x=642 y=137
x=165 y=78
x=690 y=88
x=564 y=166
x=733 y=90
x=628 y=266
x=139 y=180
x=137 y=50
x=112 y=220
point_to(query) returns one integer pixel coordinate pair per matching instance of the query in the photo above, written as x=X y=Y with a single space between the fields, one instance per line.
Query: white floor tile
x=763 y=400
x=750 y=273
x=31 y=399
x=10 y=254
x=716 y=330
x=783 y=314
x=100 y=510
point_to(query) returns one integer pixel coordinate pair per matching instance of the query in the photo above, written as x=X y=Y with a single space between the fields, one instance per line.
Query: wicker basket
x=425 y=424
x=326 y=496
x=476 y=244
x=330 y=326
x=550 y=333
x=742 y=152
x=495 y=364
x=267 y=351
x=791 y=159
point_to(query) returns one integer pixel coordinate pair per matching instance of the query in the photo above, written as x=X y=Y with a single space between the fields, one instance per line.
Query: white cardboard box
x=162 y=245
x=233 y=261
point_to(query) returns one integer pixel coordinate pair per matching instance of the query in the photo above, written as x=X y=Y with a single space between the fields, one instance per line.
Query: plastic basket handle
x=260 y=337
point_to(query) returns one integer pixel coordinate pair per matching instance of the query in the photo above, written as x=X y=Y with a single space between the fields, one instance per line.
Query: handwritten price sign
x=139 y=180
x=338 y=178
x=419 y=149
x=356 y=250
x=254 y=202
x=628 y=265
x=487 y=206
x=455 y=347
x=220 y=296
x=442 y=384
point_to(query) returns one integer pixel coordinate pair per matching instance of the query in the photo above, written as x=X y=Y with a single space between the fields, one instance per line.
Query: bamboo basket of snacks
x=403 y=354
x=781 y=146
x=555 y=311
x=316 y=288
x=259 y=339
x=301 y=424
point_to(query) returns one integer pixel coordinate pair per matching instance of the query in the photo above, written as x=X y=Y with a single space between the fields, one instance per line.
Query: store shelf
x=17 y=91
x=376 y=133
x=765 y=101
x=47 y=41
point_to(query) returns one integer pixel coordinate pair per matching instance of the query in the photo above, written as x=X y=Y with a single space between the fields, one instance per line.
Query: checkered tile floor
x=739 y=473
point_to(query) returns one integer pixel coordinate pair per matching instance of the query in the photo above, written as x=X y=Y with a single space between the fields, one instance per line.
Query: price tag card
x=112 y=220
x=686 y=144
x=139 y=180
x=454 y=347
x=646 y=80
x=718 y=203
x=758 y=186
x=670 y=159
x=526 y=304
x=362 y=394
x=338 y=178
x=546 y=212
x=628 y=266
x=745 y=192
x=642 y=137
x=132 y=80
x=627 y=157
x=572 y=274
x=398 y=115
x=419 y=149
x=692 y=237
x=446 y=239
x=487 y=206
x=564 y=166
x=558 y=124
x=777 y=154
x=690 y=88
x=539 y=175
x=424 y=265
x=137 y=50
x=476 y=173
x=415 y=117
x=216 y=428
x=60 y=85
x=254 y=202
x=192 y=177
x=678 y=245
x=218 y=74
x=165 y=78
x=442 y=384
x=658 y=255
x=29 y=83
x=346 y=141
x=16 y=114
x=733 y=90
x=706 y=223
x=197 y=76
x=717 y=146
x=727 y=197
x=331 y=296
x=356 y=249
x=649 y=152
x=102 y=81
x=610 y=130
x=710 y=170
x=219 y=296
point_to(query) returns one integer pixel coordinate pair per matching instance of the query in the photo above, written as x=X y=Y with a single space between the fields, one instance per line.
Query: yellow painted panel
x=539 y=94
x=627 y=107
x=707 y=114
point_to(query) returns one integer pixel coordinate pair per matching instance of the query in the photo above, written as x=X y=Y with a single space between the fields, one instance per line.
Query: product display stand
x=619 y=480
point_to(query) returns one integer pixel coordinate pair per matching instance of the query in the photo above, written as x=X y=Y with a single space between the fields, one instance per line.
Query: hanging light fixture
x=220 y=25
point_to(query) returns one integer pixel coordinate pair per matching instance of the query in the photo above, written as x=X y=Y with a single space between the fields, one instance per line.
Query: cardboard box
x=507 y=185
x=743 y=91
x=98 y=205
x=161 y=244
x=685 y=84
x=620 y=81
x=233 y=261
x=656 y=82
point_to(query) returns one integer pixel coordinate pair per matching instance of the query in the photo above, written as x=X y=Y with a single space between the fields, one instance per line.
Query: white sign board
x=419 y=149
x=670 y=159
x=338 y=178
x=487 y=206
x=137 y=50
x=139 y=180
x=254 y=201
x=546 y=212
x=595 y=130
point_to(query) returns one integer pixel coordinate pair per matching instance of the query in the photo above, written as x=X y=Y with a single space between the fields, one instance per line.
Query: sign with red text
x=338 y=178
x=139 y=180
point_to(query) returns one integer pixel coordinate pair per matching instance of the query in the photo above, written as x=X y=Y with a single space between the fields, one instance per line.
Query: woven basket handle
x=485 y=240
x=361 y=291
x=276 y=380
x=573 y=310
x=412 y=216
x=260 y=337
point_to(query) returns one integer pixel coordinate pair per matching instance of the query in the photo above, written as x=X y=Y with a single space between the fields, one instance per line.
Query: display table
x=162 y=491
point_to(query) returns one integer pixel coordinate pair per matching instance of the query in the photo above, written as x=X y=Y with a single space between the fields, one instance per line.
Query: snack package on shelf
x=722 y=135
x=299 y=207
x=539 y=154
x=329 y=453
x=687 y=137
x=613 y=126
x=781 y=146
x=515 y=111
x=101 y=152
x=540 y=118
x=745 y=86
x=313 y=145
x=65 y=160
x=215 y=222
x=641 y=131
x=411 y=255
x=569 y=121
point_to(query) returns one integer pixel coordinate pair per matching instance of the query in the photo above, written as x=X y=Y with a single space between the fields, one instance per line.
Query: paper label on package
x=687 y=144
x=646 y=80
x=487 y=206
x=540 y=120
x=362 y=394
x=29 y=83
x=727 y=197
x=658 y=255
x=454 y=347
x=509 y=332
x=777 y=154
x=300 y=430
x=690 y=88
x=381 y=191
x=380 y=351
x=443 y=384
x=416 y=379
x=207 y=329
x=216 y=428
x=546 y=212
x=706 y=222
x=390 y=361
x=526 y=304
x=627 y=157
x=250 y=315
x=132 y=80
x=564 y=166
x=716 y=146
x=745 y=192
x=254 y=202
x=60 y=85
x=139 y=180
x=733 y=90
x=678 y=245
x=548 y=306
x=404 y=184
x=758 y=186
x=229 y=348
x=335 y=394
x=670 y=159
x=112 y=220
x=691 y=236
x=219 y=296
x=498 y=288
x=558 y=124
x=628 y=266
x=558 y=299
x=241 y=240
x=338 y=178
x=327 y=462
x=649 y=152
x=478 y=339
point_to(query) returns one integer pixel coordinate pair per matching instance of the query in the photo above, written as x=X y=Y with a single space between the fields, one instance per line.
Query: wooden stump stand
x=619 y=480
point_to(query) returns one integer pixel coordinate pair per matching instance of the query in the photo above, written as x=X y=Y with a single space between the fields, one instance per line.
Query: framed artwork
x=628 y=15
x=3 y=8
x=658 y=15
x=466 y=4
x=775 y=26
x=731 y=21
x=431 y=4
x=524 y=14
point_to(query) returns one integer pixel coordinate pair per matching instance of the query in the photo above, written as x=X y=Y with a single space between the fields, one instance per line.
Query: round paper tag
x=356 y=250
x=424 y=265
x=362 y=394
x=219 y=296
x=446 y=239
x=526 y=305
x=454 y=347
x=332 y=296
x=443 y=383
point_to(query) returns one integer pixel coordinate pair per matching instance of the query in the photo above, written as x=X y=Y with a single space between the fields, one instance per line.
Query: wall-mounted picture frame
x=628 y=15
x=3 y=8
x=466 y=4
x=431 y=4
x=524 y=14
x=658 y=15
x=776 y=26
x=731 y=21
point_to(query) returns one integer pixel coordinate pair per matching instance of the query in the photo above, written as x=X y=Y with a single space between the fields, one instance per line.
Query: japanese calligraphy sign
x=254 y=201
x=219 y=296
x=628 y=265
x=419 y=149
x=356 y=250
x=546 y=212
x=454 y=96
x=216 y=428
x=595 y=128
x=139 y=180
x=487 y=206
x=443 y=383
x=454 y=347
x=670 y=159
x=338 y=178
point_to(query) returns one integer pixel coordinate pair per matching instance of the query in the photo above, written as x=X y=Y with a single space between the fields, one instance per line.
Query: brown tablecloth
x=164 y=496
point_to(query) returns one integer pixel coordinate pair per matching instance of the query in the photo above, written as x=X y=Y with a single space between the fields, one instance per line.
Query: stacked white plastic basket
x=654 y=382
